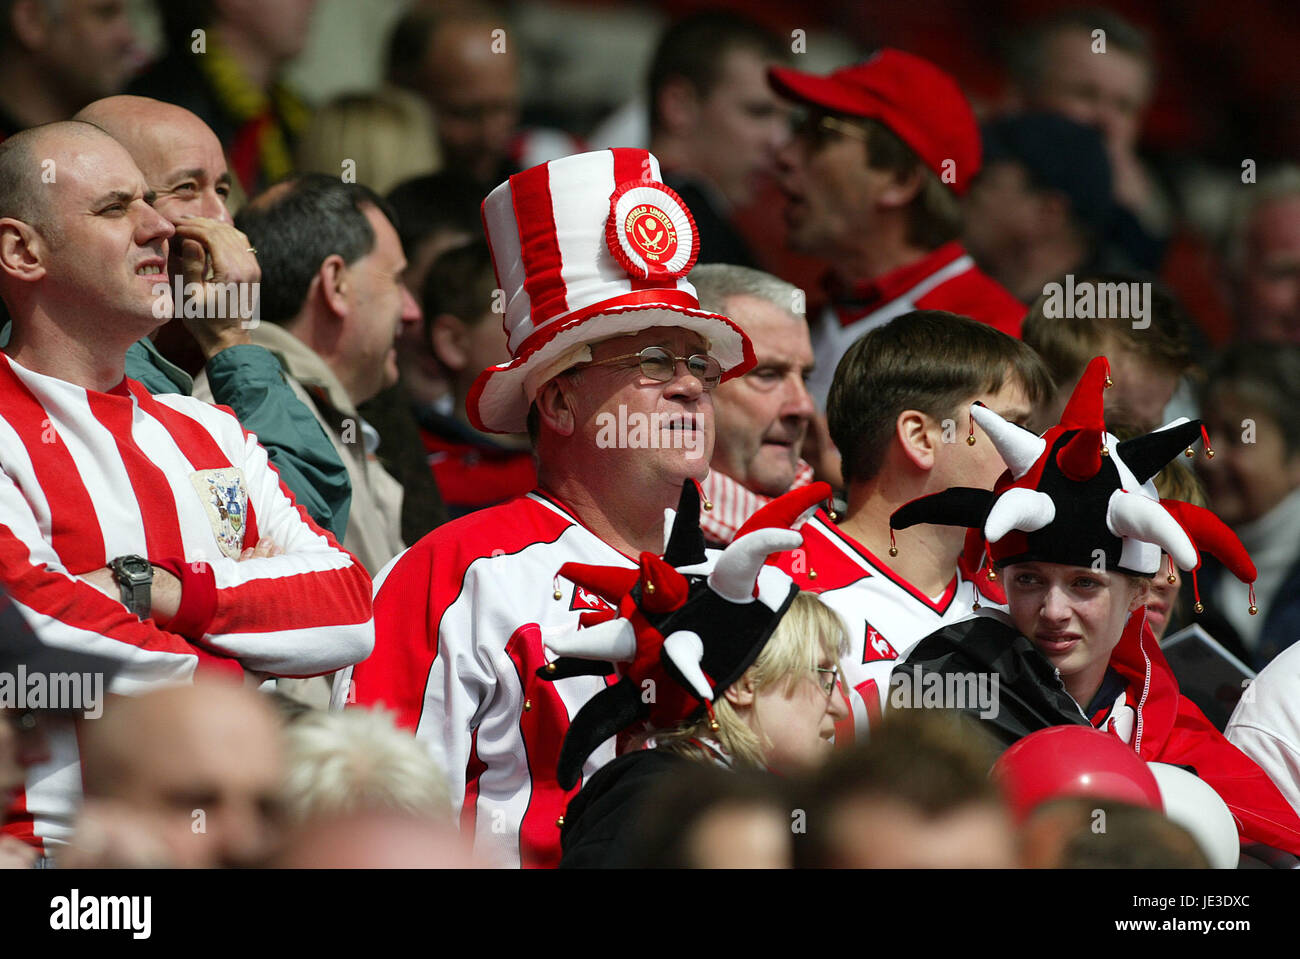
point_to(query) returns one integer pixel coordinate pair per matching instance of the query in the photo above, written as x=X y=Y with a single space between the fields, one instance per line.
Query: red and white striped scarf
x=733 y=503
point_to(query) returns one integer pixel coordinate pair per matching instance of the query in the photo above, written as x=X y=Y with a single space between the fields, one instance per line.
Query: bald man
x=458 y=59
x=188 y=776
x=183 y=164
x=134 y=525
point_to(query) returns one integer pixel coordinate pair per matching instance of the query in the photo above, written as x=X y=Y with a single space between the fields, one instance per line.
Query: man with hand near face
x=183 y=164
x=333 y=305
x=151 y=530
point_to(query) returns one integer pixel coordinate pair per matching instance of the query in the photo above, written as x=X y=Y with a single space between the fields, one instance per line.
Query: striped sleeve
x=65 y=611
x=302 y=613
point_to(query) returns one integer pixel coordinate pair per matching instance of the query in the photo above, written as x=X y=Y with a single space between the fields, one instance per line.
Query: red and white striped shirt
x=732 y=504
x=87 y=477
x=460 y=621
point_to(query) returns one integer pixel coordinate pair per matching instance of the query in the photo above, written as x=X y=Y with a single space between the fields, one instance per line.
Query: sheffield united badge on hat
x=650 y=232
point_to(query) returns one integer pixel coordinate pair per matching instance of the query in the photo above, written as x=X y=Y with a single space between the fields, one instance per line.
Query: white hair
x=358 y=760
x=715 y=283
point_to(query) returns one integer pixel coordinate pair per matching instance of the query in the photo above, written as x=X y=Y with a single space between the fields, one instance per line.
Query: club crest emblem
x=650 y=232
x=225 y=499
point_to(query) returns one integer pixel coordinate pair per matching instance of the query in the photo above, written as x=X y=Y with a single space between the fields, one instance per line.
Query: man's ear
x=678 y=105
x=335 y=284
x=449 y=340
x=21 y=250
x=555 y=408
x=917 y=438
x=902 y=188
x=741 y=692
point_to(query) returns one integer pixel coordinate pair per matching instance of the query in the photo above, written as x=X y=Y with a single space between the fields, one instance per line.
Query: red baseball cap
x=920 y=103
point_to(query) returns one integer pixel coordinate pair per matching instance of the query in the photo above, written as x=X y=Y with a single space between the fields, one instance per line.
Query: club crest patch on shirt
x=877 y=647
x=225 y=498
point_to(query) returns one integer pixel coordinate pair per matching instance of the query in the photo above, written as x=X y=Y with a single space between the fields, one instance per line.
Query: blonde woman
x=779 y=715
x=377 y=139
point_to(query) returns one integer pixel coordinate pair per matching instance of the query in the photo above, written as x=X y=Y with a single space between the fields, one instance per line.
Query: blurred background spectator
x=715 y=124
x=463 y=333
x=1264 y=259
x=341 y=763
x=1041 y=204
x=1147 y=363
x=186 y=776
x=917 y=795
x=378 y=139
x=223 y=61
x=464 y=60
x=1253 y=483
x=58 y=55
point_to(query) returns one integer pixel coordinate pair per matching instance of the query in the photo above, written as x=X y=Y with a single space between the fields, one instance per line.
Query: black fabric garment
x=1031 y=695
x=601 y=825
x=720 y=241
x=402 y=453
x=8 y=125
x=1112 y=684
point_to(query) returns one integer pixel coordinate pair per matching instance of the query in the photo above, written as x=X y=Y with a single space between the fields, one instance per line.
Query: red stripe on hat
x=631 y=163
x=539 y=247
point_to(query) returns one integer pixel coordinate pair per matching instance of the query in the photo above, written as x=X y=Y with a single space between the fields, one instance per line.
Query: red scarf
x=1171 y=729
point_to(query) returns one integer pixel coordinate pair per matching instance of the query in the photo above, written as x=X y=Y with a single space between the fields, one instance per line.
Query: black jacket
x=1030 y=696
x=601 y=828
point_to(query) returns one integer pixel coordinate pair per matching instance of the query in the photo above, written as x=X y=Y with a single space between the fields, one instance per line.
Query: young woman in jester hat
x=721 y=659
x=1074 y=529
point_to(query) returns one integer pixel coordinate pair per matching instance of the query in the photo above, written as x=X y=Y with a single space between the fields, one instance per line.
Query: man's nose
x=685 y=383
x=411 y=312
x=152 y=225
x=214 y=208
x=798 y=401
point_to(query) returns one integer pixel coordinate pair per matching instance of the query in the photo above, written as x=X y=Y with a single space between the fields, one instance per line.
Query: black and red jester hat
x=691 y=622
x=1077 y=489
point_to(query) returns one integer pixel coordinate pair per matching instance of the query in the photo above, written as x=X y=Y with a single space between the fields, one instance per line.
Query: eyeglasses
x=660 y=364
x=830 y=680
x=816 y=128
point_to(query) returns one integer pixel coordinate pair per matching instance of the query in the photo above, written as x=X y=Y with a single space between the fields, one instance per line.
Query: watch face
x=135 y=567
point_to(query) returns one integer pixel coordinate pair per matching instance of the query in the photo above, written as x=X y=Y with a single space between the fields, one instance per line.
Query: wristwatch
x=135 y=578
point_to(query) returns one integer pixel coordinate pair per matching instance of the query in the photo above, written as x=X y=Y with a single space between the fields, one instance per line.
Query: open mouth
x=150 y=268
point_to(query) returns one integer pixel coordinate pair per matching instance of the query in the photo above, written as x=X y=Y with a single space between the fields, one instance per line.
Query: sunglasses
x=660 y=364
x=816 y=129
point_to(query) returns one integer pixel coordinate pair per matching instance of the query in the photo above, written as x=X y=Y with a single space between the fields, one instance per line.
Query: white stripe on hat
x=503 y=235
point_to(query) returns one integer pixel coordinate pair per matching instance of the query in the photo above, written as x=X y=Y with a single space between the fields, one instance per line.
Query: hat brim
x=820 y=92
x=497 y=402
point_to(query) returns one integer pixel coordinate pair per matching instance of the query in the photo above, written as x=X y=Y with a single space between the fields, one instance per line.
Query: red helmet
x=1073 y=761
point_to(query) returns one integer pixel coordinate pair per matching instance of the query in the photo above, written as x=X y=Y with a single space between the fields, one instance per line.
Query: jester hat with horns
x=686 y=626
x=1077 y=495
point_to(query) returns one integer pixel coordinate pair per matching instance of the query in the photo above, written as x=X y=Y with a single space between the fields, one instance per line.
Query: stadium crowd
x=827 y=457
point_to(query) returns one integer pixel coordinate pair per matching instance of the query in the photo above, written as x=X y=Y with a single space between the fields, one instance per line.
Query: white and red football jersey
x=460 y=622
x=86 y=477
x=885 y=614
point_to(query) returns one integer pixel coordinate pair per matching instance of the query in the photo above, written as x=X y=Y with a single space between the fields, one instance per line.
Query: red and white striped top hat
x=588 y=247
